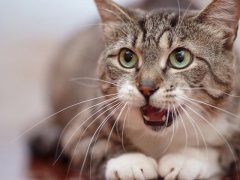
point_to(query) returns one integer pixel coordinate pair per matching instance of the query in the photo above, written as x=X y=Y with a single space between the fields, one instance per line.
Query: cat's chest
x=183 y=133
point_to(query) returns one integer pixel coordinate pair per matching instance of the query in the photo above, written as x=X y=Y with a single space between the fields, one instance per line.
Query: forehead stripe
x=143 y=28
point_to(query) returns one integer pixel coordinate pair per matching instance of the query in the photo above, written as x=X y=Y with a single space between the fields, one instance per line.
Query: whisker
x=86 y=84
x=93 y=79
x=89 y=25
x=56 y=113
x=219 y=134
x=104 y=102
x=124 y=121
x=193 y=125
x=185 y=129
x=109 y=136
x=200 y=88
x=93 y=121
x=198 y=128
x=215 y=107
x=117 y=119
x=92 y=24
x=179 y=10
x=120 y=18
x=98 y=129
x=184 y=15
x=172 y=136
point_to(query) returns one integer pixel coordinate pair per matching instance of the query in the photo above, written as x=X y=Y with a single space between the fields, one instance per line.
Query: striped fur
x=152 y=35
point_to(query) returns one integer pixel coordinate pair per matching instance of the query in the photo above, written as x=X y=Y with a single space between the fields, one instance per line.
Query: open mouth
x=157 y=117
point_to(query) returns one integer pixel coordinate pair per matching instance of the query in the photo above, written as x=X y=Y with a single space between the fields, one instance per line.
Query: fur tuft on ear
x=114 y=17
x=222 y=12
x=111 y=12
x=225 y=14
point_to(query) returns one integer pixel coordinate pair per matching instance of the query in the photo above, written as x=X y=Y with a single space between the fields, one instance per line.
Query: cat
x=166 y=104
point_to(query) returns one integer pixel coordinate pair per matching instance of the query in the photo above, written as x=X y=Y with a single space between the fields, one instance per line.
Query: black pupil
x=180 y=56
x=128 y=56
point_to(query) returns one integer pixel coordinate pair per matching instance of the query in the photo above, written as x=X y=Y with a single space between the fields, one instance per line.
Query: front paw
x=182 y=166
x=131 y=166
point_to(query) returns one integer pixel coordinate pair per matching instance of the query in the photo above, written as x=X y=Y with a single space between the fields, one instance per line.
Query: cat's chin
x=157 y=118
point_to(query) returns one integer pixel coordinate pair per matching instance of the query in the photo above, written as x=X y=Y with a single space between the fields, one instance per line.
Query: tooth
x=145 y=117
x=164 y=118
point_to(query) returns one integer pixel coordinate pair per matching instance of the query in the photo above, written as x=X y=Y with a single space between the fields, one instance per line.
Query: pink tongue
x=153 y=113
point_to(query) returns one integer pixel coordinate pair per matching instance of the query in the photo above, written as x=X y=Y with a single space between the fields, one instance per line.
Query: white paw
x=131 y=166
x=179 y=166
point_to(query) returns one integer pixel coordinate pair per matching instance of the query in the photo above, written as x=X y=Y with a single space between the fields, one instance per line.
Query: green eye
x=180 y=58
x=127 y=58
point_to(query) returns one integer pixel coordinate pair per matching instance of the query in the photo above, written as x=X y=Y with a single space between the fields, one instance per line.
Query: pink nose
x=147 y=87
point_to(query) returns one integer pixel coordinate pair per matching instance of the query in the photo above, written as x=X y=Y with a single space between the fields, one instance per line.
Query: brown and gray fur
x=209 y=34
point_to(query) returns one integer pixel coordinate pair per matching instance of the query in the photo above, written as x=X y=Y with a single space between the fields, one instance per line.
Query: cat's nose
x=147 y=87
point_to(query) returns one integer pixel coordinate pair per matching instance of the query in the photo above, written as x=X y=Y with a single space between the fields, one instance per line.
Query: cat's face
x=165 y=64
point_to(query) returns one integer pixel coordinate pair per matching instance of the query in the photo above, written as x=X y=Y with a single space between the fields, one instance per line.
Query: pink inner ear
x=222 y=12
x=110 y=11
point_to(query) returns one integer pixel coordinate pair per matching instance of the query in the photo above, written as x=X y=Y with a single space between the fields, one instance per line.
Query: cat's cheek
x=164 y=99
x=129 y=94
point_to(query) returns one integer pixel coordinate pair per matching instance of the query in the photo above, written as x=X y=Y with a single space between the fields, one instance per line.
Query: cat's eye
x=127 y=58
x=180 y=58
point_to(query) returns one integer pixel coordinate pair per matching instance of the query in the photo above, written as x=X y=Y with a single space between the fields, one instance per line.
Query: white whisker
x=172 y=136
x=45 y=119
x=198 y=128
x=114 y=100
x=184 y=15
x=92 y=122
x=202 y=88
x=193 y=125
x=215 y=107
x=123 y=106
x=117 y=119
x=219 y=134
x=98 y=129
x=185 y=129
x=124 y=121
x=94 y=79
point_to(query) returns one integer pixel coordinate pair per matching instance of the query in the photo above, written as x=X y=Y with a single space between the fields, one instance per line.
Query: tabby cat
x=164 y=100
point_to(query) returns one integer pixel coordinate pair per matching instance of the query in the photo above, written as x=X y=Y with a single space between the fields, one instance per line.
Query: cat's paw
x=180 y=166
x=131 y=166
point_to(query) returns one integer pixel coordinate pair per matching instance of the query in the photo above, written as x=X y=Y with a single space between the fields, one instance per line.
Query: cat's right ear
x=111 y=14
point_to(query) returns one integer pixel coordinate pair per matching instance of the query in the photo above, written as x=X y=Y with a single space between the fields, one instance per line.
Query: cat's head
x=165 y=63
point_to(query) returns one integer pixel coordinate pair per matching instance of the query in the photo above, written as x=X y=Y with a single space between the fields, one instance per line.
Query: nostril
x=147 y=87
x=146 y=91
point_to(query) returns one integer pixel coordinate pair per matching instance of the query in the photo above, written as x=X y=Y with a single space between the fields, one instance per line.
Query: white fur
x=186 y=153
x=190 y=164
x=131 y=166
x=189 y=160
x=159 y=99
x=164 y=42
x=128 y=93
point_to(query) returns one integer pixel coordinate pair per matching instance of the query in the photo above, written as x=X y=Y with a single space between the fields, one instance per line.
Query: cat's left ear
x=224 y=13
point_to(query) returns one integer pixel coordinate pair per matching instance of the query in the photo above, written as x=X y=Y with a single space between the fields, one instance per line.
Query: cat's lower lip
x=157 y=117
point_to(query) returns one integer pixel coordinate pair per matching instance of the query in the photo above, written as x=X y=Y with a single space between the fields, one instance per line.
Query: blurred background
x=31 y=34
